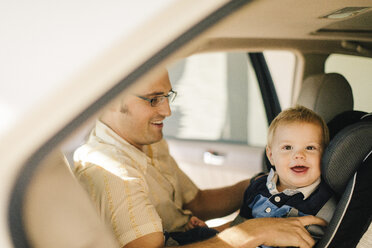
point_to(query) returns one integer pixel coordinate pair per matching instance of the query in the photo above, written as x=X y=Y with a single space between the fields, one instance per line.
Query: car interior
x=49 y=208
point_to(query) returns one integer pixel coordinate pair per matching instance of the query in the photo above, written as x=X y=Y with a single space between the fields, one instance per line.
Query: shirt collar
x=108 y=136
x=272 y=180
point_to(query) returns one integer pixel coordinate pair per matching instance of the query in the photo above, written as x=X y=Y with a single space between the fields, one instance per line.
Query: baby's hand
x=194 y=222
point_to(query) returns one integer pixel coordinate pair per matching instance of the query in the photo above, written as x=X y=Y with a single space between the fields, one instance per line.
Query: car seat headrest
x=342 y=120
x=346 y=152
x=326 y=94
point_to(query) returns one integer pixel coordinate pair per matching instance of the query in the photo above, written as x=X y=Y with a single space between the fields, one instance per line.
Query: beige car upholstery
x=327 y=94
x=58 y=212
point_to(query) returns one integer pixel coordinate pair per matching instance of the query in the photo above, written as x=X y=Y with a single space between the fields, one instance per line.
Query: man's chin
x=156 y=138
x=160 y=137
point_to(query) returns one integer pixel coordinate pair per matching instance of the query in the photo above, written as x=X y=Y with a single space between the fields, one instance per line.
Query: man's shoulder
x=95 y=156
x=96 y=149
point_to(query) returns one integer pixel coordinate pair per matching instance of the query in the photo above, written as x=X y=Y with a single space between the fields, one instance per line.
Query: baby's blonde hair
x=298 y=114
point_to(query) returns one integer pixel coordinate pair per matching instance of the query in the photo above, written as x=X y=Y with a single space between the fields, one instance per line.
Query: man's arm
x=265 y=231
x=152 y=240
x=249 y=234
x=214 y=203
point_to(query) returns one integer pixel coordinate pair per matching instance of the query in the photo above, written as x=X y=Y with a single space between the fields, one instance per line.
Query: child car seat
x=327 y=94
x=347 y=168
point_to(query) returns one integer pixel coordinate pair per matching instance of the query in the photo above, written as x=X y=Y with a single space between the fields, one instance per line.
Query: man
x=139 y=189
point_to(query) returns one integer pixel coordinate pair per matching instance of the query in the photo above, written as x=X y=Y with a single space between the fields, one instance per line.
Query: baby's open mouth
x=299 y=168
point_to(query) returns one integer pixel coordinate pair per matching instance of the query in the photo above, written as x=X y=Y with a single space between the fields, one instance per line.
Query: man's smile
x=157 y=123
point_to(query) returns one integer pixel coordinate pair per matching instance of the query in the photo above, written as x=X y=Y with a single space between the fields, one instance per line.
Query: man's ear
x=113 y=108
x=115 y=105
x=269 y=155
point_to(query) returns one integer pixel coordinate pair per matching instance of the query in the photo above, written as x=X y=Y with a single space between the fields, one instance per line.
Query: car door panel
x=215 y=164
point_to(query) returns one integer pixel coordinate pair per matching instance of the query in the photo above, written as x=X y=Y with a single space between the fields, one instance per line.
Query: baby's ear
x=269 y=155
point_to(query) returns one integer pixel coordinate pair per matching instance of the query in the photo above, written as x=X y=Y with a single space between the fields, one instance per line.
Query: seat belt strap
x=326 y=212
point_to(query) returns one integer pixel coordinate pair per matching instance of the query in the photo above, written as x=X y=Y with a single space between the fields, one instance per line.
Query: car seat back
x=57 y=212
x=327 y=94
x=347 y=168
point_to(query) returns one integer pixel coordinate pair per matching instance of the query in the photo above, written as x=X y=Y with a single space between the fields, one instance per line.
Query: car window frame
x=266 y=84
x=18 y=195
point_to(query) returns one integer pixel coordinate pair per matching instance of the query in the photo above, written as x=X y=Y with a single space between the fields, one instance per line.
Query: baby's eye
x=287 y=147
x=310 y=148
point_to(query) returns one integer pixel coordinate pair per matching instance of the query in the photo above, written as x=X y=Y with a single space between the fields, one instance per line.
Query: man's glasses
x=157 y=100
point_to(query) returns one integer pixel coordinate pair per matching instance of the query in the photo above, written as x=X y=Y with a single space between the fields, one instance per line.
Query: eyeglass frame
x=171 y=96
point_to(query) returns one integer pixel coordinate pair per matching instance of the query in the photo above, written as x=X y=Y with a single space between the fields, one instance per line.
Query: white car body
x=61 y=62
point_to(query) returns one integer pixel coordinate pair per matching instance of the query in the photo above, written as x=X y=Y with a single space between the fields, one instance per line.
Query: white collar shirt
x=272 y=180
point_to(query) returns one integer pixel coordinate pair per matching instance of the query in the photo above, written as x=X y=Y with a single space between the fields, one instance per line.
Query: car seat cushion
x=345 y=154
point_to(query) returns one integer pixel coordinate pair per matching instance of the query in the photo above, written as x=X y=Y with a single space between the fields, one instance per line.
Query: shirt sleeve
x=121 y=196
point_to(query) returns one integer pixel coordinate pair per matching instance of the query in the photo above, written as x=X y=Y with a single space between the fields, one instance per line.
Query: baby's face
x=296 y=152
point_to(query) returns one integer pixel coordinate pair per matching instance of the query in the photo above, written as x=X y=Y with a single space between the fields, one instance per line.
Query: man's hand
x=272 y=232
x=194 y=222
x=250 y=234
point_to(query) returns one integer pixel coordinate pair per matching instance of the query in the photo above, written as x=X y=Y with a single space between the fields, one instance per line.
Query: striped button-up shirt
x=136 y=192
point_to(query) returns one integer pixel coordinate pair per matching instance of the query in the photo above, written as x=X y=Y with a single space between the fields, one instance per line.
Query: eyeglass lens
x=159 y=99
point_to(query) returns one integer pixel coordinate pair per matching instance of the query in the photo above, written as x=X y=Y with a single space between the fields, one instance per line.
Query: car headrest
x=342 y=120
x=326 y=94
x=346 y=152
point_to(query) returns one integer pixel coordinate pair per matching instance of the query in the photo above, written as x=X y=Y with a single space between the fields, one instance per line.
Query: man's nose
x=164 y=108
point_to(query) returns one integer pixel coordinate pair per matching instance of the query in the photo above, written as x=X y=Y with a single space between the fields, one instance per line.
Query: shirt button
x=277 y=199
x=270 y=185
x=268 y=210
